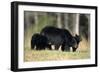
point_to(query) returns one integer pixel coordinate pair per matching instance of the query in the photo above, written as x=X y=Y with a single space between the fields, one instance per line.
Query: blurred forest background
x=76 y=23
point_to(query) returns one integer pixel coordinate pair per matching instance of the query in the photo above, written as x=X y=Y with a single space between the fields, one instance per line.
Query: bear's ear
x=79 y=37
x=76 y=35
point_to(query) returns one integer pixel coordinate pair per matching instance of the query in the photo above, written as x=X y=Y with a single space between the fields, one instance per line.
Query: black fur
x=59 y=37
x=40 y=41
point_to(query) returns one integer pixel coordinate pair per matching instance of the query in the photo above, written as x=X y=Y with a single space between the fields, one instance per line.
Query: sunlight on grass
x=48 y=55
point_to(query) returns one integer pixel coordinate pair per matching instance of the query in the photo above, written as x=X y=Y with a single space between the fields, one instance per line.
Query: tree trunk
x=36 y=21
x=75 y=24
x=88 y=17
x=59 y=20
x=26 y=20
x=66 y=19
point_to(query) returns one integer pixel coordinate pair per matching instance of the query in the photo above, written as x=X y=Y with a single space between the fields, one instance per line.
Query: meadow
x=52 y=55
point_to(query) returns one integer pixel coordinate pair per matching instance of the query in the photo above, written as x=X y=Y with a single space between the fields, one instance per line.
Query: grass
x=52 y=55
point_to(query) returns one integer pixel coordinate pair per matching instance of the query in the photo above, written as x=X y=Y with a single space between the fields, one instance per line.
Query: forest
x=76 y=23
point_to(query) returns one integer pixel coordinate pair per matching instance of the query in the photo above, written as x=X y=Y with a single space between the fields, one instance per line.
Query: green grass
x=52 y=55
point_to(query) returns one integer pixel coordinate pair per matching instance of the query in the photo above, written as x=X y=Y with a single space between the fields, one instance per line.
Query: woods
x=76 y=23
x=70 y=21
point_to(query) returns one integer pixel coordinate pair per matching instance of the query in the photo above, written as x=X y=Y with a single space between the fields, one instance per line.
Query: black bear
x=53 y=35
x=39 y=41
x=59 y=37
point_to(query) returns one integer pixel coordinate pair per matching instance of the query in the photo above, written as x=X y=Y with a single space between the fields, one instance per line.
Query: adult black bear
x=59 y=37
x=39 y=41
x=53 y=35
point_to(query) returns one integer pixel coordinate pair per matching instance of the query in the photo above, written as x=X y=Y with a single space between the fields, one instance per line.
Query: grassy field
x=48 y=55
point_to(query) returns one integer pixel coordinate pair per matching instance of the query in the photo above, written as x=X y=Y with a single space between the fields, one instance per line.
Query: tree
x=36 y=20
x=85 y=25
x=59 y=20
x=74 y=23
x=66 y=20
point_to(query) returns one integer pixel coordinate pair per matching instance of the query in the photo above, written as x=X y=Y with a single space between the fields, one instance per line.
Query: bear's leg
x=62 y=47
x=39 y=47
x=74 y=49
x=66 y=48
x=49 y=47
x=56 y=47
x=32 y=46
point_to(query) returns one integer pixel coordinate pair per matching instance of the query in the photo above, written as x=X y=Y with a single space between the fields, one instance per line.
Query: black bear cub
x=39 y=42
